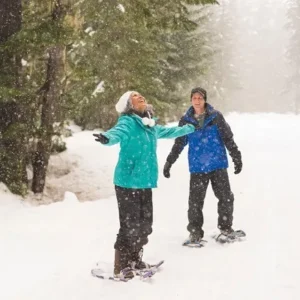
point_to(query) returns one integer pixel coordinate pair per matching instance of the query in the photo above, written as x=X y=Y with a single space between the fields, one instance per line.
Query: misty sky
x=260 y=40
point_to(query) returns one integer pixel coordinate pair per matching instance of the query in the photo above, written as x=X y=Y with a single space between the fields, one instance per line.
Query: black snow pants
x=221 y=188
x=136 y=218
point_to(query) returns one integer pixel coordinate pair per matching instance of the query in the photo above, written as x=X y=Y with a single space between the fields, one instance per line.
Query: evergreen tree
x=12 y=105
x=31 y=90
x=141 y=45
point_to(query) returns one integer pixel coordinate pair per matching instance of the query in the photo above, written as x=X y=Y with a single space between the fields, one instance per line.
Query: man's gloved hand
x=238 y=165
x=101 y=138
x=167 y=168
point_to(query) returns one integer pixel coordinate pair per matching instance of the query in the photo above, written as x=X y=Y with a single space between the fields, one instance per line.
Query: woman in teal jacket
x=135 y=175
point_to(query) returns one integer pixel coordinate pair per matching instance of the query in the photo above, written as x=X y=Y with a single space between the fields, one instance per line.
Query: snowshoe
x=194 y=241
x=230 y=236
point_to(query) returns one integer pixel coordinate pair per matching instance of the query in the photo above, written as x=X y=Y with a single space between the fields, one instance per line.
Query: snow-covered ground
x=47 y=252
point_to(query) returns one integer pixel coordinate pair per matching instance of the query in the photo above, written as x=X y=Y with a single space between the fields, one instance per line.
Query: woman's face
x=138 y=102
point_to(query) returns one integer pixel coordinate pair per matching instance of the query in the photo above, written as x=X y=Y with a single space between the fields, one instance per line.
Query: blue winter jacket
x=207 y=145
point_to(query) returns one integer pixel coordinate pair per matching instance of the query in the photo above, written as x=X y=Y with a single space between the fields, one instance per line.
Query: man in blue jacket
x=207 y=162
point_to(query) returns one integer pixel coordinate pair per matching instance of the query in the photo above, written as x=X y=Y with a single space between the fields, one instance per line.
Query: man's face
x=138 y=102
x=198 y=101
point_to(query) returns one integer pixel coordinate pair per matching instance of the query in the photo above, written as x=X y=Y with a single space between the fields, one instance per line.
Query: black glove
x=167 y=168
x=238 y=165
x=101 y=138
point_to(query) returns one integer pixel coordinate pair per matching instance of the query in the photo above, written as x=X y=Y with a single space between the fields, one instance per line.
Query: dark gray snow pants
x=221 y=188
x=135 y=216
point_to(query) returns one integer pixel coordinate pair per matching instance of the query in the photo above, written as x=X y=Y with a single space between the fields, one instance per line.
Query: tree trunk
x=50 y=92
x=13 y=150
x=10 y=18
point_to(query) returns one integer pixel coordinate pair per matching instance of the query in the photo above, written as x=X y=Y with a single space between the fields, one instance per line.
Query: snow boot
x=137 y=262
x=227 y=232
x=230 y=235
x=122 y=268
x=195 y=238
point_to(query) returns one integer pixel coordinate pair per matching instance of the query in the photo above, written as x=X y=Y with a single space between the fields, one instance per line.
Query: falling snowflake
x=99 y=88
x=121 y=8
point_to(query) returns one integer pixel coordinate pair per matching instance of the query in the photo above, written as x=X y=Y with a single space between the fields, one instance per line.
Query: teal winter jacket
x=137 y=165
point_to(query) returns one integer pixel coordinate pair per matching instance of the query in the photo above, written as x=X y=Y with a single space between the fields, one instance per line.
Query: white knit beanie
x=123 y=102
